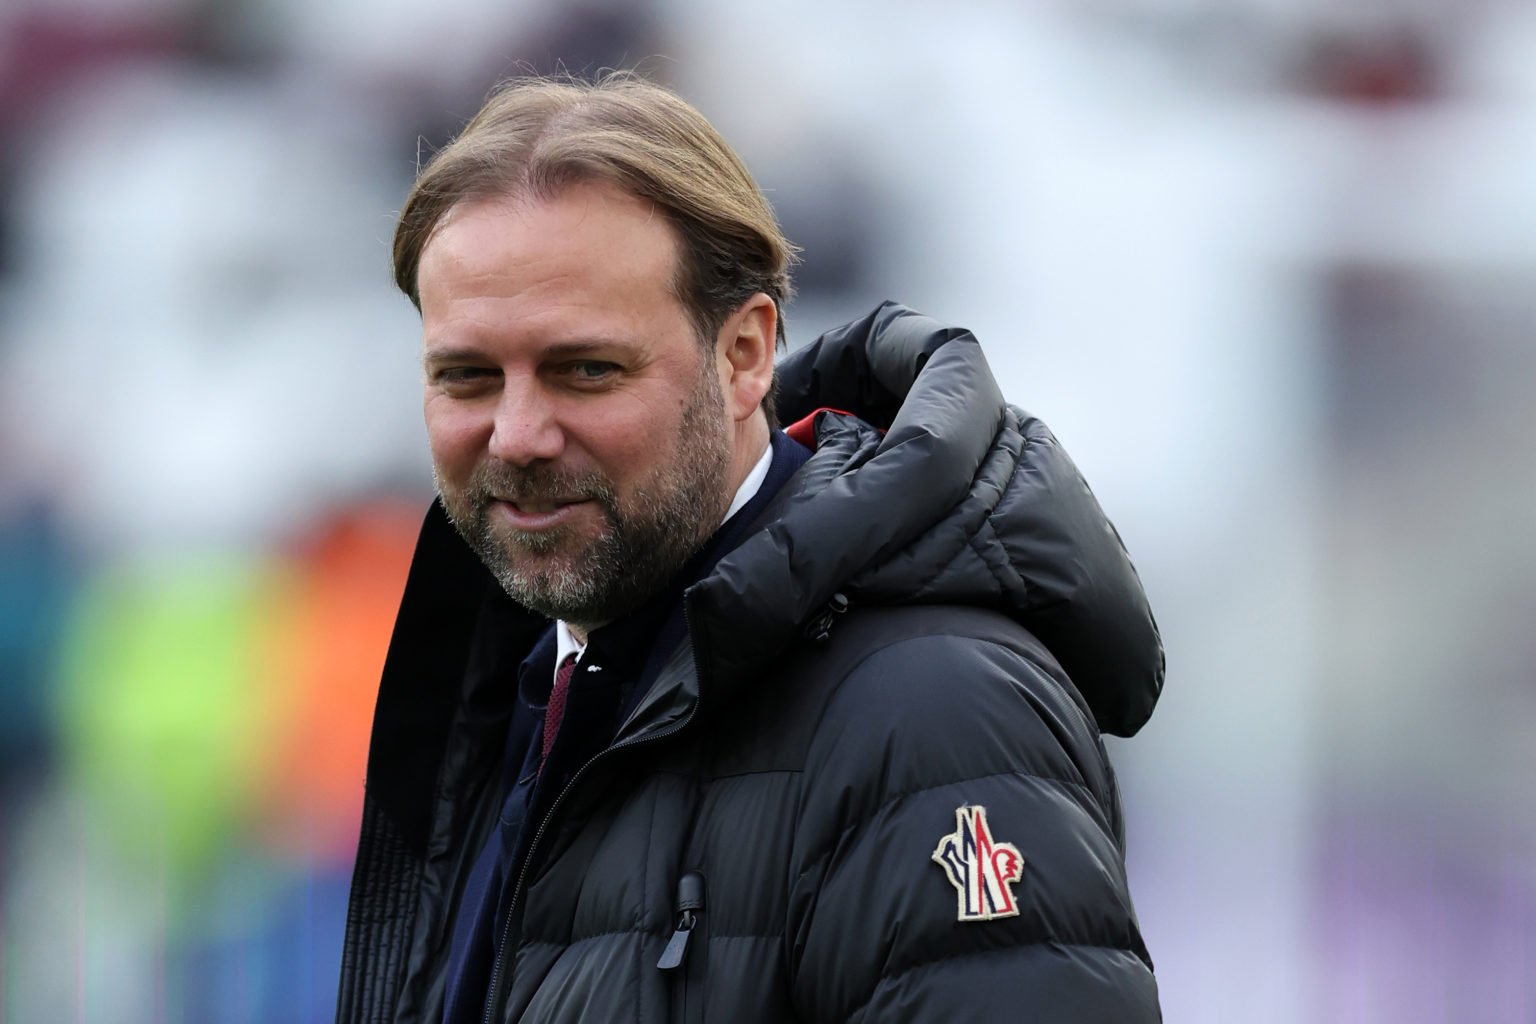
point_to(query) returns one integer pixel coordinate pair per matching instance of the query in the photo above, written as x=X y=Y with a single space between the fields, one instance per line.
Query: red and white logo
x=980 y=869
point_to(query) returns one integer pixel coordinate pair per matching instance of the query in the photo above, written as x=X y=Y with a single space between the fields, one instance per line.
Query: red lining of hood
x=803 y=431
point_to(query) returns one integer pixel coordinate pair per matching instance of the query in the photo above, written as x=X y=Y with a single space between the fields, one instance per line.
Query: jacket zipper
x=522 y=874
x=690 y=903
x=690 y=908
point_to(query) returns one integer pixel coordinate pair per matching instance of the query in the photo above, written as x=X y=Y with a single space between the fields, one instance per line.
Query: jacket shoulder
x=938 y=694
x=946 y=715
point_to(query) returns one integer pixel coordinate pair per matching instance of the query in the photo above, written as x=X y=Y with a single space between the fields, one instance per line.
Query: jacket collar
x=962 y=499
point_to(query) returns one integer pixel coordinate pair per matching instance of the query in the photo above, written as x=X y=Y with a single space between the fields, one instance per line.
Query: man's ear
x=744 y=353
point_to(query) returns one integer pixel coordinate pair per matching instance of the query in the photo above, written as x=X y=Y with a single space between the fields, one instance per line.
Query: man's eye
x=458 y=378
x=590 y=371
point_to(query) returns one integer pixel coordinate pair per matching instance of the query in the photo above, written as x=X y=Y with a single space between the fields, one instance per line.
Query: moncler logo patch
x=980 y=870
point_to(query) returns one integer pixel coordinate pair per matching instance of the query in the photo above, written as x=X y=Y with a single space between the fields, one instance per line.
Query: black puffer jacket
x=927 y=622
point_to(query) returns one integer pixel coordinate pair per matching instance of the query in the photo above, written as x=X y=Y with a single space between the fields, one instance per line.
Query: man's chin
x=544 y=574
x=557 y=596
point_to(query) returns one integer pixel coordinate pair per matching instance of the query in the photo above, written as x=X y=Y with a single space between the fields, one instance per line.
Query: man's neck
x=747 y=452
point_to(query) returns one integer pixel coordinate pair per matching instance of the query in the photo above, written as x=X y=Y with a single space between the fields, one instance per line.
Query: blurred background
x=1267 y=266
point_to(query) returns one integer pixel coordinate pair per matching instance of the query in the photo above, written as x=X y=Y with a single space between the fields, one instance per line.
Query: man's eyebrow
x=582 y=346
x=573 y=349
x=438 y=356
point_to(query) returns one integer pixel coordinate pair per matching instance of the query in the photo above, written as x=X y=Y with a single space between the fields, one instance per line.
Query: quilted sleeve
x=956 y=856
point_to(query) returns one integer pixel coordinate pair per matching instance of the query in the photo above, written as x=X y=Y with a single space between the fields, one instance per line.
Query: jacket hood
x=936 y=491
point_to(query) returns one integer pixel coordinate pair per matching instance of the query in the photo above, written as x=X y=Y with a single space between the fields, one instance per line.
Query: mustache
x=493 y=481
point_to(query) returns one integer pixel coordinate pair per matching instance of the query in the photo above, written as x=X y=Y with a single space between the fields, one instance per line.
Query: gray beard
x=641 y=547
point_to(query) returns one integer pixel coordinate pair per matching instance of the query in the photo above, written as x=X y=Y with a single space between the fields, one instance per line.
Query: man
x=686 y=717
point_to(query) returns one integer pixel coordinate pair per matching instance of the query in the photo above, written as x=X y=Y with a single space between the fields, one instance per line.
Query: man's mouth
x=538 y=513
x=541 y=506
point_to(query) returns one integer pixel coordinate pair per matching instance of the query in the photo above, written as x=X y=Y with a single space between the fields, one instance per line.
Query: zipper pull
x=820 y=628
x=690 y=901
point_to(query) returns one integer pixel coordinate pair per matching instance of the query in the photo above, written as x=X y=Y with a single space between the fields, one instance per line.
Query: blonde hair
x=534 y=136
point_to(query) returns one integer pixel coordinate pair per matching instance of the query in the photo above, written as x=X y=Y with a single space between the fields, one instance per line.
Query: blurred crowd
x=1267 y=266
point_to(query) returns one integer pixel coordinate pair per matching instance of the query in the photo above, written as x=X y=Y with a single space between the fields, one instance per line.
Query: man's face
x=579 y=434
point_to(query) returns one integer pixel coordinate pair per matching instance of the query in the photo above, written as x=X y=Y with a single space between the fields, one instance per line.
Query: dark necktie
x=556 y=708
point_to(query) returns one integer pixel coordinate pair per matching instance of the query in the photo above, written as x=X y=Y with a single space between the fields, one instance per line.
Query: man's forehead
x=584 y=229
x=583 y=198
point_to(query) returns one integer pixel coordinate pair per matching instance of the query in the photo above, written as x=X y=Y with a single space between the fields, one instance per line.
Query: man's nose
x=527 y=428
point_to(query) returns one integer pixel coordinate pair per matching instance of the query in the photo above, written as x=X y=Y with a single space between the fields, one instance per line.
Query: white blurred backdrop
x=1268 y=268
